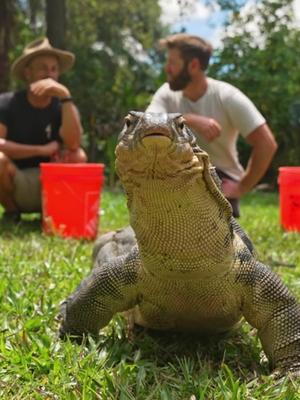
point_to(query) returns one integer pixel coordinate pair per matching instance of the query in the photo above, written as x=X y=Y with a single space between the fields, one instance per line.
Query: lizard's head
x=158 y=128
x=156 y=146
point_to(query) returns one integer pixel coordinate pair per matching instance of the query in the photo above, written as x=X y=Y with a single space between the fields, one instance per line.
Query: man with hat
x=38 y=124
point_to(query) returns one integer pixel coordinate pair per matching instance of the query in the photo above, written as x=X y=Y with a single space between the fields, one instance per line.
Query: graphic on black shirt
x=29 y=125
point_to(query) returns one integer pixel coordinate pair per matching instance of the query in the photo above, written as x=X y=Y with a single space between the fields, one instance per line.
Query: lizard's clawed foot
x=291 y=371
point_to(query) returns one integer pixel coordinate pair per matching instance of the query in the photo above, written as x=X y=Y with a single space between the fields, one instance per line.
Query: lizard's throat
x=172 y=230
x=138 y=168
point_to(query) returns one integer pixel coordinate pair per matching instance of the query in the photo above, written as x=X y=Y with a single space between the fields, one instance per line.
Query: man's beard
x=180 y=81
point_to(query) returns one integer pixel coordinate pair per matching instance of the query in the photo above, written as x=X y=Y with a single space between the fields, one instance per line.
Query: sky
x=202 y=20
x=199 y=20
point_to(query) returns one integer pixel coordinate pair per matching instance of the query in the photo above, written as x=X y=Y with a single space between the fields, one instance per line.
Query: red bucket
x=289 y=195
x=71 y=198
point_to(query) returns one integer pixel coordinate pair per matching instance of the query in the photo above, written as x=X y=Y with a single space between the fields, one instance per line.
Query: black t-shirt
x=29 y=125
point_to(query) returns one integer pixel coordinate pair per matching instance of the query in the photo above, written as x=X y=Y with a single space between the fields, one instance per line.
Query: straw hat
x=41 y=47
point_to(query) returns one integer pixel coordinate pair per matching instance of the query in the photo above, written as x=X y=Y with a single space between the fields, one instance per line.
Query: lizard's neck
x=180 y=225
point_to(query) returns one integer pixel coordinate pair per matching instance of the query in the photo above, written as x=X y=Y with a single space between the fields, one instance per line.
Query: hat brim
x=66 y=60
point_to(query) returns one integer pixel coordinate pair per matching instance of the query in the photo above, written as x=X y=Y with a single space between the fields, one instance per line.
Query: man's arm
x=15 y=150
x=264 y=147
x=162 y=101
x=71 y=128
x=209 y=128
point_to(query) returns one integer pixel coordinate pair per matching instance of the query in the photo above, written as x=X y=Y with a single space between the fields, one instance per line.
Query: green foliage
x=263 y=62
x=38 y=271
x=116 y=69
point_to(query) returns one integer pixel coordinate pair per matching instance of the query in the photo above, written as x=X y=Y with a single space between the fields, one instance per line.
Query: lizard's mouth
x=156 y=133
x=155 y=137
x=156 y=140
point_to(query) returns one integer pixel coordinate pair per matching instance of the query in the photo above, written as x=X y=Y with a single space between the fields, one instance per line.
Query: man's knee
x=81 y=156
x=76 y=156
x=7 y=168
x=7 y=174
x=4 y=160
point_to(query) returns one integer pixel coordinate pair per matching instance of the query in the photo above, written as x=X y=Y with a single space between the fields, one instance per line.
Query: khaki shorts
x=27 y=193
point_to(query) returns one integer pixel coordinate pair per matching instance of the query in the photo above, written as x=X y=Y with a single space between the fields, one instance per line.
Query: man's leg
x=27 y=190
x=235 y=203
x=76 y=156
x=7 y=173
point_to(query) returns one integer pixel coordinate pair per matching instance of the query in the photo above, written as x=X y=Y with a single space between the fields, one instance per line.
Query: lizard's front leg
x=270 y=307
x=109 y=289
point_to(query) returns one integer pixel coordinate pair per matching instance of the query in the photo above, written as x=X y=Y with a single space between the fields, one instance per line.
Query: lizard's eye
x=127 y=121
x=181 y=122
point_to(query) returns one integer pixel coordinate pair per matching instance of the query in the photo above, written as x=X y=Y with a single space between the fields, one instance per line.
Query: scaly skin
x=191 y=267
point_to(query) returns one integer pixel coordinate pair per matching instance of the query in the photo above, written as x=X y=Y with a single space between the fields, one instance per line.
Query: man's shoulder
x=221 y=86
x=8 y=97
x=165 y=88
x=225 y=91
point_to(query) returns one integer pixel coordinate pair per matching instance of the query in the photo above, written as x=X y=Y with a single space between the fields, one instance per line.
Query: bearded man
x=217 y=112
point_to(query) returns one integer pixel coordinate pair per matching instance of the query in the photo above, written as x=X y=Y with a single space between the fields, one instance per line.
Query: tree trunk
x=56 y=22
x=6 y=26
x=34 y=7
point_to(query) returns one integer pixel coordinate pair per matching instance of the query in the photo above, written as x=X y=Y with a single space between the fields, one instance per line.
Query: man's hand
x=49 y=87
x=50 y=149
x=232 y=189
x=263 y=148
x=70 y=156
x=209 y=128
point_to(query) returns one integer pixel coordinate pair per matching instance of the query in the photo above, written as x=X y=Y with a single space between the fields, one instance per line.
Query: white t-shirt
x=223 y=102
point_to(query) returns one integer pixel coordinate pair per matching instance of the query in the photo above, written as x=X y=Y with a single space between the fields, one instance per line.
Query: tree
x=7 y=12
x=115 y=68
x=56 y=22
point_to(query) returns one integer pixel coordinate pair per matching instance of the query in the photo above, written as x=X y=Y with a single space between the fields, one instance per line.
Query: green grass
x=38 y=271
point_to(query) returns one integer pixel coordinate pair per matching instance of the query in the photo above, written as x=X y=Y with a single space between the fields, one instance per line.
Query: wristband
x=66 y=99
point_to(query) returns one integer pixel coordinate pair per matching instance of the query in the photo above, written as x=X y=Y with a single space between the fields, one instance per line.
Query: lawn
x=38 y=271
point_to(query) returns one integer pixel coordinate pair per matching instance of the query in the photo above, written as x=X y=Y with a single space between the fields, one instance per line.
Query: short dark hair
x=190 y=47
